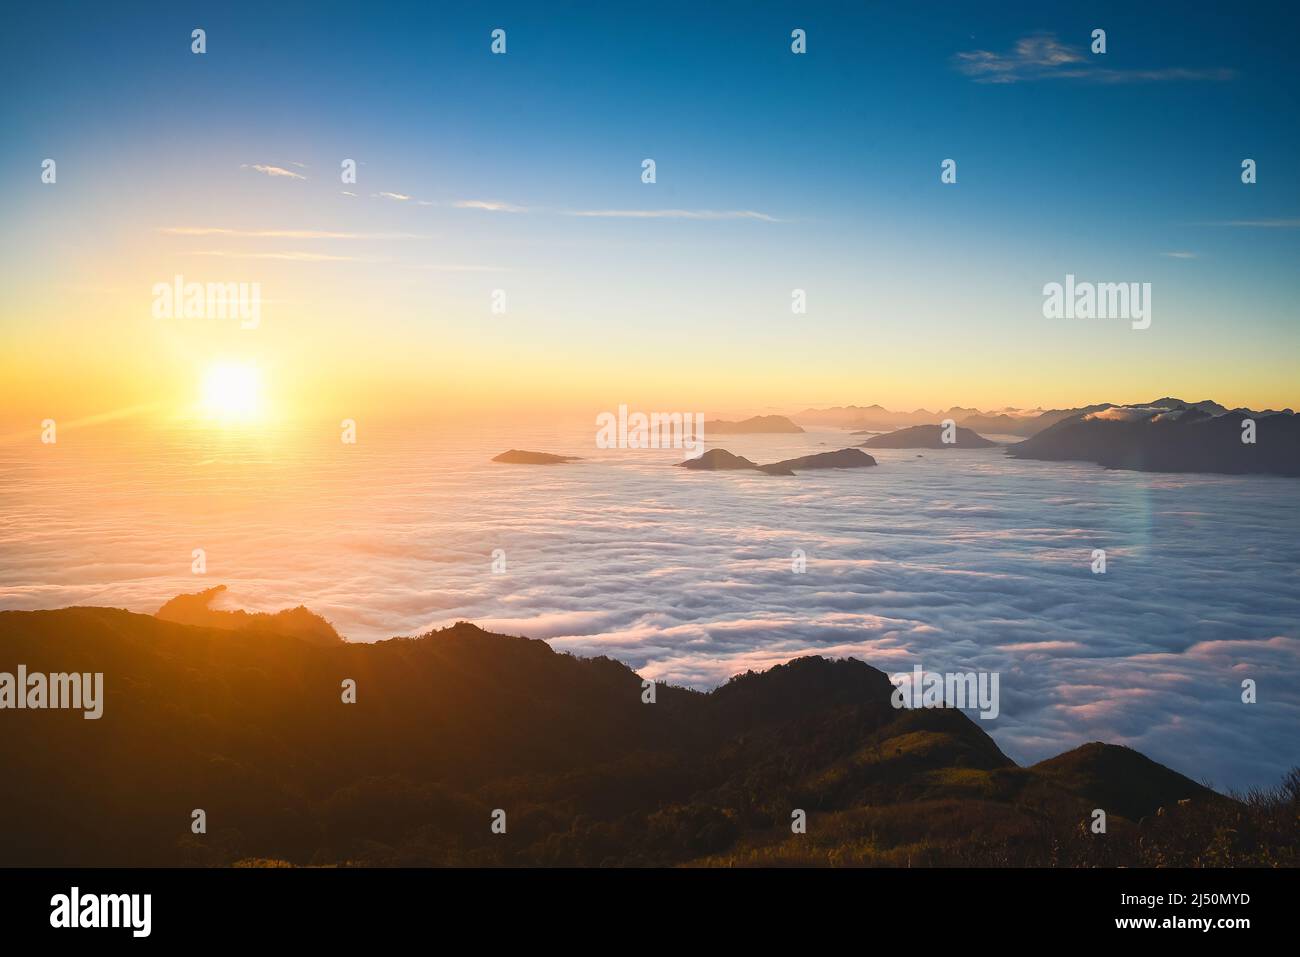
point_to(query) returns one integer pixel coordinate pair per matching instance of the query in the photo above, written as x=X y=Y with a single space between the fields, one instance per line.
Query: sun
x=232 y=392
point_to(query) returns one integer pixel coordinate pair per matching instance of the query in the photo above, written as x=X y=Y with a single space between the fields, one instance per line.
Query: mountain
x=875 y=418
x=1003 y=423
x=840 y=459
x=520 y=457
x=758 y=423
x=250 y=726
x=1171 y=436
x=195 y=610
x=928 y=437
x=717 y=460
x=872 y=418
x=1207 y=406
x=1119 y=778
x=846 y=417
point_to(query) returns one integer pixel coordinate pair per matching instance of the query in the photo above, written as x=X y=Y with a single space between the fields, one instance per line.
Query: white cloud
x=272 y=170
x=1042 y=56
x=287 y=256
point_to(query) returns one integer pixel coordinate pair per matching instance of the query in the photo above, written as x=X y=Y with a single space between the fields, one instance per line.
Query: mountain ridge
x=249 y=725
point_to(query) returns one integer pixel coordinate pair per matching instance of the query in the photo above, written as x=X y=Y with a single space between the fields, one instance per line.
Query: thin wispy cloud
x=1180 y=254
x=1169 y=75
x=1261 y=223
x=494 y=206
x=272 y=170
x=500 y=206
x=286 y=256
x=400 y=197
x=279 y=233
x=1041 y=56
x=455 y=267
x=673 y=214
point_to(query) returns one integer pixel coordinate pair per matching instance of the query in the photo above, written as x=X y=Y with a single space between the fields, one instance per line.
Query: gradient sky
x=775 y=171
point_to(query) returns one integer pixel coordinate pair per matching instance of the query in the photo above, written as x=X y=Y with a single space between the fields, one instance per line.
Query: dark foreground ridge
x=250 y=726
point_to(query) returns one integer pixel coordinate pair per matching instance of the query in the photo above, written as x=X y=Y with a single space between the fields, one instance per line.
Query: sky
x=522 y=173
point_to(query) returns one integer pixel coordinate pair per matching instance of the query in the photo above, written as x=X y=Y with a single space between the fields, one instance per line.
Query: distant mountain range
x=875 y=418
x=755 y=424
x=447 y=729
x=928 y=437
x=1165 y=435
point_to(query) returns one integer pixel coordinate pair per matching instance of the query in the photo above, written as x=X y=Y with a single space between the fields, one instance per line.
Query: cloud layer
x=955 y=560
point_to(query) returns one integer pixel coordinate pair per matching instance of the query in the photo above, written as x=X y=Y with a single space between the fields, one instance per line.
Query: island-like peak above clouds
x=520 y=457
x=715 y=460
x=754 y=424
x=928 y=437
x=840 y=459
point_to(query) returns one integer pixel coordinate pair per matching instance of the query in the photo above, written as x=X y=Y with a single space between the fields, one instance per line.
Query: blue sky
x=1102 y=166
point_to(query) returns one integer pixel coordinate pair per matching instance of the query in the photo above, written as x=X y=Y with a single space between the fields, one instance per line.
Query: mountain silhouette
x=716 y=460
x=928 y=437
x=196 y=609
x=521 y=457
x=875 y=418
x=839 y=459
x=757 y=423
x=250 y=726
x=1172 y=436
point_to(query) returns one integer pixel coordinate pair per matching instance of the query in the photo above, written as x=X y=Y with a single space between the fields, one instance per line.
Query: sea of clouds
x=955 y=560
